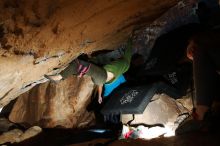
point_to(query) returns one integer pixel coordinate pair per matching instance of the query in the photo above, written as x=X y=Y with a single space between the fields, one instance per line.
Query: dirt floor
x=71 y=137
x=66 y=137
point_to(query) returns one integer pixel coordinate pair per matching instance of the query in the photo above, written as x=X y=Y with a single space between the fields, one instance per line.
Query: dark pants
x=98 y=74
x=206 y=63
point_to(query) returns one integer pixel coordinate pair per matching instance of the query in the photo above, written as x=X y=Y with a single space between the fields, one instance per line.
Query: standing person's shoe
x=191 y=124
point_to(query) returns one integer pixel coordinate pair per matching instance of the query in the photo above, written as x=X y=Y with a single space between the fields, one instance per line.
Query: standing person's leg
x=204 y=81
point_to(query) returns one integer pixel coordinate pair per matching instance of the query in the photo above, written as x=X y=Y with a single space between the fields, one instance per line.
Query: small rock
x=10 y=136
x=31 y=132
x=17 y=135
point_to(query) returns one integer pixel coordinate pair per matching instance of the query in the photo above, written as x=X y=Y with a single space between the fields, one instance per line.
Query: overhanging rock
x=60 y=104
x=38 y=36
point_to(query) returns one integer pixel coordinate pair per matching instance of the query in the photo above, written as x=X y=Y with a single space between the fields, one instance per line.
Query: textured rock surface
x=31 y=132
x=17 y=135
x=60 y=104
x=10 y=136
x=37 y=36
x=5 y=124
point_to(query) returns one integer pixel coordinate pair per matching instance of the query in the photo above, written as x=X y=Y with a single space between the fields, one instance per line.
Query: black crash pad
x=127 y=100
x=133 y=100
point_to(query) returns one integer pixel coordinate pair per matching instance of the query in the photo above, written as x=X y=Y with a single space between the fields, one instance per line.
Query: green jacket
x=121 y=65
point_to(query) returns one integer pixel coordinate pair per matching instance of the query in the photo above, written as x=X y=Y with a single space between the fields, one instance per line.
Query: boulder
x=16 y=135
x=61 y=104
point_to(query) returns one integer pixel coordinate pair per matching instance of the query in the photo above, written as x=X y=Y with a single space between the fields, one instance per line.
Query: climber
x=110 y=75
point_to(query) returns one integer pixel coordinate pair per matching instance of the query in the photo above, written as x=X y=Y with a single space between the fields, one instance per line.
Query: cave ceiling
x=37 y=36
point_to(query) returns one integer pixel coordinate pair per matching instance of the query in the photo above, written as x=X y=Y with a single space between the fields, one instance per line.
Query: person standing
x=204 y=51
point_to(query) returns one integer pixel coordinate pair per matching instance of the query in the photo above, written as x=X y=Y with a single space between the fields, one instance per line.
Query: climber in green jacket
x=110 y=75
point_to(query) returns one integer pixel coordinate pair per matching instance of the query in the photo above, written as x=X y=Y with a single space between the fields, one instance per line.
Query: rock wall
x=39 y=36
x=165 y=109
x=61 y=104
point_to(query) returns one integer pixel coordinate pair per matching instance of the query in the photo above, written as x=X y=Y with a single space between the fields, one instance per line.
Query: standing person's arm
x=100 y=88
x=191 y=49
